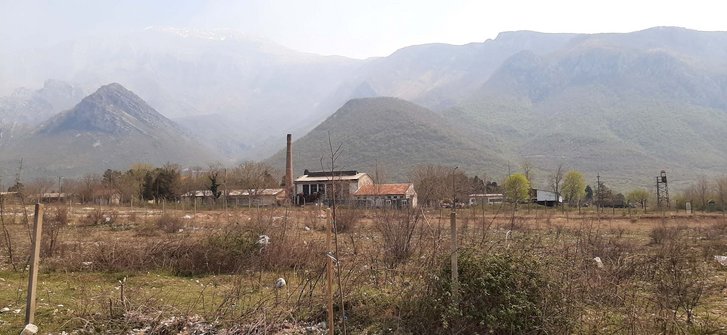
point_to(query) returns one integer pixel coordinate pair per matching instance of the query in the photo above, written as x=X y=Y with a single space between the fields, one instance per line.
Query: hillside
x=111 y=128
x=31 y=107
x=609 y=105
x=437 y=76
x=392 y=134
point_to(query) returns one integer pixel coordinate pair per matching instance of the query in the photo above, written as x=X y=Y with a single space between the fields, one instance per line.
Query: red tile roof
x=383 y=189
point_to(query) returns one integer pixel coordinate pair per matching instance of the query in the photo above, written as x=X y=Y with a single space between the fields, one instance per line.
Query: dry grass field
x=175 y=270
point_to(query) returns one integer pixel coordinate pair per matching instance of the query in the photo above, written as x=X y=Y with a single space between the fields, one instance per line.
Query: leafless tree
x=39 y=186
x=721 y=190
x=556 y=179
x=527 y=168
x=334 y=154
x=253 y=177
x=434 y=183
x=429 y=183
x=702 y=188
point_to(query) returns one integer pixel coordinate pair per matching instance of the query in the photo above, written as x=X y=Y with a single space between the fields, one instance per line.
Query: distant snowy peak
x=213 y=34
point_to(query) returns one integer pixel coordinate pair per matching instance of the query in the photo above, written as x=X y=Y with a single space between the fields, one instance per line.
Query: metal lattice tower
x=662 y=191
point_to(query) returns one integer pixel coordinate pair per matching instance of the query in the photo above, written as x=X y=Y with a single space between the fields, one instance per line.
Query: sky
x=357 y=29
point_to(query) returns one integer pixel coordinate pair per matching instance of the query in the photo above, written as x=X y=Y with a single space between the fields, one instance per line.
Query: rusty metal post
x=34 y=260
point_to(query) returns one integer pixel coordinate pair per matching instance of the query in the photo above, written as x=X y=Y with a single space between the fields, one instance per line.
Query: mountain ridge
x=387 y=134
x=110 y=128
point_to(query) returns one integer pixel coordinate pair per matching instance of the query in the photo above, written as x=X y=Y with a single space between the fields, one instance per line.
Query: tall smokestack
x=289 y=188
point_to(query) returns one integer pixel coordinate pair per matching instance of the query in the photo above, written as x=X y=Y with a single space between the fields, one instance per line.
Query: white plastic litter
x=280 y=283
x=721 y=260
x=598 y=261
x=263 y=240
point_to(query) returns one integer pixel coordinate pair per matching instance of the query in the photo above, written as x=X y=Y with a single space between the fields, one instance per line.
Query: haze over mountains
x=624 y=105
x=111 y=128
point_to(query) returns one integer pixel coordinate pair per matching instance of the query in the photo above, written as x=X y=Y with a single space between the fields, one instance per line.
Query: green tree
x=110 y=178
x=589 y=193
x=214 y=185
x=638 y=196
x=517 y=188
x=574 y=187
x=162 y=183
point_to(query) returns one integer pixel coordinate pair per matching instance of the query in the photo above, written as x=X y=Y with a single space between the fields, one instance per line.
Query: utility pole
x=225 y=200
x=453 y=233
x=60 y=190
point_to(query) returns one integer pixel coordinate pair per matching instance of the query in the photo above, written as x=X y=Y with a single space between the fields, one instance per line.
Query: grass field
x=121 y=270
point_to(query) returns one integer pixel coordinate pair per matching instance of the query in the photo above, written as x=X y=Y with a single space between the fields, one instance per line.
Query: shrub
x=663 y=233
x=54 y=221
x=169 y=224
x=223 y=252
x=397 y=229
x=678 y=279
x=499 y=294
x=98 y=217
x=346 y=218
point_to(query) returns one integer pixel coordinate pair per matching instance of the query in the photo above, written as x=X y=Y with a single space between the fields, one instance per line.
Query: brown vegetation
x=658 y=274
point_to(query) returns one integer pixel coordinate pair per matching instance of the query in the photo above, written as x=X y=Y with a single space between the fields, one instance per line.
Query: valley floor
x=121 y=270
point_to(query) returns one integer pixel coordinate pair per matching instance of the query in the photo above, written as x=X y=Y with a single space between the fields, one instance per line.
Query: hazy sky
x=350 y=28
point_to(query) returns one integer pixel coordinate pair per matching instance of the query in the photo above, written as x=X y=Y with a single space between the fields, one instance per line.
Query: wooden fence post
x=34 y=260
x=329 y=270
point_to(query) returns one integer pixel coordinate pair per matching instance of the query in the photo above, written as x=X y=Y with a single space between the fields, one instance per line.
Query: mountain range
x=622 y=105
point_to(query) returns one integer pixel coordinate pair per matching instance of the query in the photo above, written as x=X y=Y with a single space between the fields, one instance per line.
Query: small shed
x=257 y=197
x=387 y=195
x=546 y=198
x=485 y=199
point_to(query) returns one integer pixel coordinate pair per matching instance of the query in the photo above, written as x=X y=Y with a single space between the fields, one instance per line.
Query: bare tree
x=40 y=186
x=334 y=155
x=434 y=183
x=721 y=190
x=253 y=177
x=702 y=189
x=89 y=187
x=527 y=168
x=430 y=182
x=555 y=181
